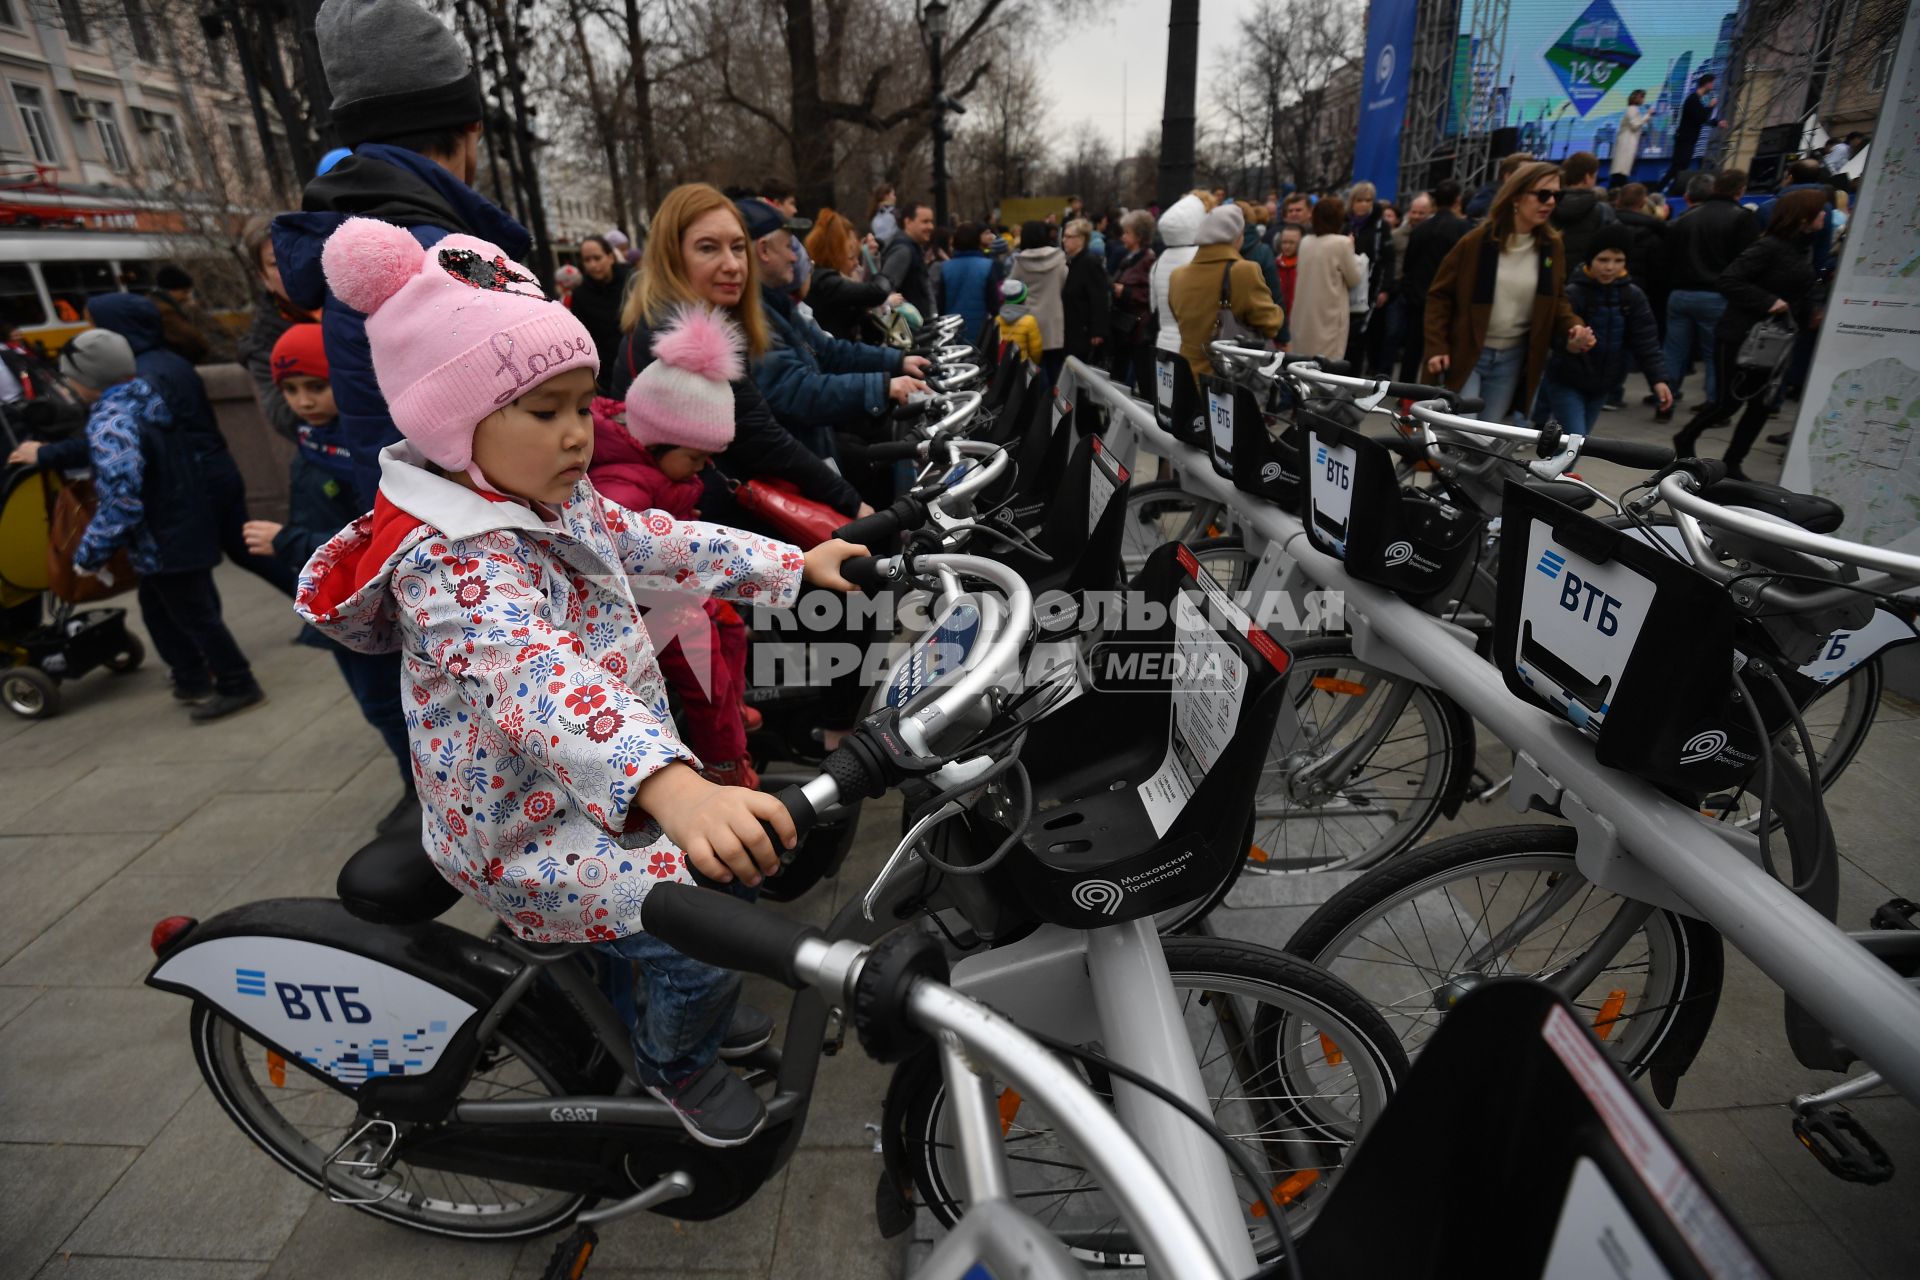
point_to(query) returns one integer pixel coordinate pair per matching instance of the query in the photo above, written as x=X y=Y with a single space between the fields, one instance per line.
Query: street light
x=934 y=19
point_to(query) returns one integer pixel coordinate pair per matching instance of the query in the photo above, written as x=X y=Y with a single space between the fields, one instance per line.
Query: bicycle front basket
x=1626 y=642
x=1245 y=448
x=1414 y=542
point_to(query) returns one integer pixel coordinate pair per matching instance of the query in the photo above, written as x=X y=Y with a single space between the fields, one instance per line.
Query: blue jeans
x=1575 y=411
x=374 y=679
x=680 y=1010
x=1496 y=379
x=1692 y=315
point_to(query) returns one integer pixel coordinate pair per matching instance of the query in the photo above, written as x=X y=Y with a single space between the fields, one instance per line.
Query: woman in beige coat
x=1328 y=271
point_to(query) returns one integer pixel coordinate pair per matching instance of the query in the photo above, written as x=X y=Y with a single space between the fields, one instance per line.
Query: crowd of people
x=479 y=466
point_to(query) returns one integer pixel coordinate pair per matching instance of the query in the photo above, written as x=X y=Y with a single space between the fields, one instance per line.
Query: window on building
x=8 y=18
x=237 y=143
x=1883 y=66
x=165 y=150
x=70 y=284
x=75 y=19
x=37 y=123
x=19 y=297
x=139 y=29
x=113 y=143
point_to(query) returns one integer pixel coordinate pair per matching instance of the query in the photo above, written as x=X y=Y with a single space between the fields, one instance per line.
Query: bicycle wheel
x=1416 y=934
x=299 y=1121
x=1838 y=720
x=1160 y=512
x=1296 y=1067
x=1410 y=749
x=1229 y=562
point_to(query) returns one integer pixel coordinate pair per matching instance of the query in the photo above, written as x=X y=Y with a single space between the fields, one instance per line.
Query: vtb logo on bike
x=300 y=1001
x=1338 y=473
x=1581 y=597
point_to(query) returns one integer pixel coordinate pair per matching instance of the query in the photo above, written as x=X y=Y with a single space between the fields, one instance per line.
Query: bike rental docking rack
x=1632 y=839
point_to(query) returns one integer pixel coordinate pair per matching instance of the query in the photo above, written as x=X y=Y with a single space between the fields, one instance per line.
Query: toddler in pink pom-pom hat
x=554 y=787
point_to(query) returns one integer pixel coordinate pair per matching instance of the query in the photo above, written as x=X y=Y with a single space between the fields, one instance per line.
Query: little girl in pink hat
x=553 y=786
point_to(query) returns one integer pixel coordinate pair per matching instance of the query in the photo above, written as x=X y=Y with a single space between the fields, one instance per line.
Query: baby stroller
x=41 y=648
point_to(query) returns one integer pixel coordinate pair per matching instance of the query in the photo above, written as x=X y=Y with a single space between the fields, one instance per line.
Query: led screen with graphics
x=1570 y=64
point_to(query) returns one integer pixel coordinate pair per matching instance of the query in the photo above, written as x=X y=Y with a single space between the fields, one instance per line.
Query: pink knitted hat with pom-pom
x=457 y=331
x=682 y=398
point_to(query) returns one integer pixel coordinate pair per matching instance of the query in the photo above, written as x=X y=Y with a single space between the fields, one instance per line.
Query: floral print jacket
x=534 y=705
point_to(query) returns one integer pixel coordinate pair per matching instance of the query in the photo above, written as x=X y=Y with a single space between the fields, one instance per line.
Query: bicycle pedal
x=365 y=1164
x=1895 y=913
x=571 y=1255
x=1843 y=1146
x=835 y=1038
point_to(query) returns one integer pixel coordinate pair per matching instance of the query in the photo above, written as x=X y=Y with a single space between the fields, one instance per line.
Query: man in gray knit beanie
x=395 y=70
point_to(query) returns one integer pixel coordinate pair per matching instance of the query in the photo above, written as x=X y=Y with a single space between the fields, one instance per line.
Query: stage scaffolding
x=1428 y=151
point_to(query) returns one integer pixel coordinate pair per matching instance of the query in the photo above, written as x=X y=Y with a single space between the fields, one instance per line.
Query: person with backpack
x=1772 y=277
x=148 y=473
x=1600 y=292
x=1216 y=284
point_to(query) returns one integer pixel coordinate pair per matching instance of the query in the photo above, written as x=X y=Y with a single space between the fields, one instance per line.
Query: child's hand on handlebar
x=824 y=561
x=717 y=827
x=917 y=366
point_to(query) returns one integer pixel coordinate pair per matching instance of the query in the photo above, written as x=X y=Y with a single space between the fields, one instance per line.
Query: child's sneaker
x=750 y=1031
x=715 y=1106
x=734 y=773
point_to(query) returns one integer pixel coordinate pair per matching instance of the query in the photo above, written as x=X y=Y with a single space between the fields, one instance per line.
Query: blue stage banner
x=1383 y=94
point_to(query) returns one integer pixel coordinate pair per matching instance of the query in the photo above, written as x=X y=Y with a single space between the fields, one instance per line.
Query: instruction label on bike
x=1596 y=1234
x=1578 y=624
x=1163 y=381
x=1220 y=422
x=1208 y=684
x=1693 y=1213
x=1330 y=490
x=1108 y=475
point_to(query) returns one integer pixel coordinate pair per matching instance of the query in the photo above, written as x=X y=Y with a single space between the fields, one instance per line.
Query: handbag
x=797 y=518
x=70 y=509
x=1226 y=325
x=1768 y=343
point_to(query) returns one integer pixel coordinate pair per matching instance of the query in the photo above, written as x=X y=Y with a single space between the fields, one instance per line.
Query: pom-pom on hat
x=457 y=331
x=300 y=353
x=683 y=397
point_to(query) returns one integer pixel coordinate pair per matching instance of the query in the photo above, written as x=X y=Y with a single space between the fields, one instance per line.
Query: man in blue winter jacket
x=407 y=102
x=814 y=383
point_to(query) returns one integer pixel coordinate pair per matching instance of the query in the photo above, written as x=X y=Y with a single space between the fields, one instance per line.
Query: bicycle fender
x=1698 y=1001
x=1453 y=788
x=352 y=1003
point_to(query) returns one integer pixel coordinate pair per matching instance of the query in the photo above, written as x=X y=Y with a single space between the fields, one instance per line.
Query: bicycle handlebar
x=1640 y=455
x=909 y=512
x=1678 y=491
x=725 y=931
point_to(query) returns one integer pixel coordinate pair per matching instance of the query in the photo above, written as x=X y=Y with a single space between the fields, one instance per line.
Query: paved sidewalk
x=115 y=1162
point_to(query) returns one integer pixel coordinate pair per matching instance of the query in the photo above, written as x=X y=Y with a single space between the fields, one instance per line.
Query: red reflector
x=170 y=931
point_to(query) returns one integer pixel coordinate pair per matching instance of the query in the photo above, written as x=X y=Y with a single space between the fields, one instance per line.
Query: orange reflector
x=1009 y=1108
x=1287 y=1192
x=1215 y=531
x=1258 y=854
x=1609 y=1013
x=276 y=1069
x=1333 y=684
x=1331 y=1051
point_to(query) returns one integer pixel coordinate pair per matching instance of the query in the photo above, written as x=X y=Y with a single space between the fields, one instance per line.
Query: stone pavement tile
x=47 y=875
x=28 y=779
x=363 y=800
x=95 y=1064
x=106 y=940
x=826 y=1224
x=229 y=835
x=1874 y=1224
x=738 y=1244
x=1801 y=1251
x=76 y=1267
x=201 y=1189
x=124 y=796
x=44 y=1191
x=848 y=1095
x=13 y=1000
x=303 y=865
x=1267 y=926
x=324 y=756
x=1749 y=1188
x=1869 y=824
x=333 y=1240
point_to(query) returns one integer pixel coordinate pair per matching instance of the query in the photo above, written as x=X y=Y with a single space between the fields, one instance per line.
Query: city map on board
x=1884 y=241
x=1864 y=453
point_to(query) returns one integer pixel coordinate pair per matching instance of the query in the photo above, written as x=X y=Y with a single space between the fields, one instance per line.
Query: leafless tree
x=1269 y=114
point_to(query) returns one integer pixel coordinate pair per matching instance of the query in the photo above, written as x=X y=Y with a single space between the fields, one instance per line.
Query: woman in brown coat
x=1325 y=275
x=1499 y=300
x=1194 y=291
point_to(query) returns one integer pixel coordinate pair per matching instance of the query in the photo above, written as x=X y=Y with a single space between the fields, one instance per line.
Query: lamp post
x=935 y=19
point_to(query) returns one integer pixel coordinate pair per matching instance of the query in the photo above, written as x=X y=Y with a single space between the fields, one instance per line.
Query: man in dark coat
x=1696 y=113
x=407 y=102
x=1701 y=243
x=1429 y=244
x=904 y=260
x=1581 y=211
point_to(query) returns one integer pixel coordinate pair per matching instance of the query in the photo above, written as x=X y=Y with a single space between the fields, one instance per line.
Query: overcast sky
x=1083 y=68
